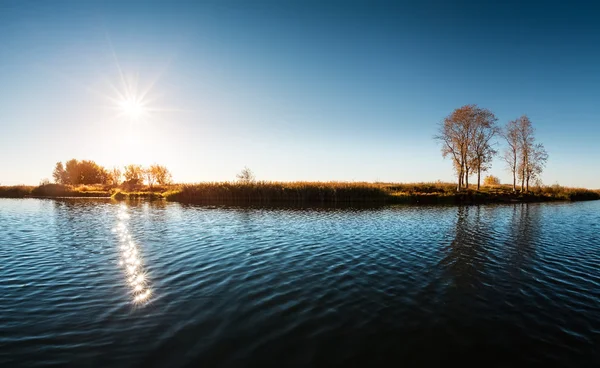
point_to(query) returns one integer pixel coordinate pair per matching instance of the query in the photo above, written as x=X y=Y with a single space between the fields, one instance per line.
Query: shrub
x=491 y=180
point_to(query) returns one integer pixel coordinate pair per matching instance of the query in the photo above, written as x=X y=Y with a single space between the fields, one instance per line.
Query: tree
x=149 y=176
x=526 y=159
x=465 y=136
x=161 y=174
x=481 y=150
x=80 y=172
x=511 y=154
x=92 y=173
x=133 y=174
x=526 y=142
x=73 y=172
x=452 y=135
x=59 y=174
x=536 y=163
x=246 y=176
x=114 y=176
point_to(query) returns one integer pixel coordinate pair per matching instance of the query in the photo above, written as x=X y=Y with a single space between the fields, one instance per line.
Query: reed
x=333 y=192
x=571 y=194
x=60 y=190
x=15 y=191
x=362 y=192
x=277 y=192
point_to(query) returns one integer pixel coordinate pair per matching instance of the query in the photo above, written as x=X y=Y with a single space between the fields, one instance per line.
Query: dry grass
x=362 y=192
x=307 y=193
x=268 y=192
x=15 y=191
x=571 y=194
x=59 y=190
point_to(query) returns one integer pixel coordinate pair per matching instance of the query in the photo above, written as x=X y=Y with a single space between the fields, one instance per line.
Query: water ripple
x=96 y=283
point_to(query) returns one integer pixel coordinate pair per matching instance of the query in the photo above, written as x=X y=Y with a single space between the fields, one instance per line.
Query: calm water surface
x=98 y=283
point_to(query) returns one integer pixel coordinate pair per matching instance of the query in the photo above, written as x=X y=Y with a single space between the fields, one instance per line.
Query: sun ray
x=118 y=65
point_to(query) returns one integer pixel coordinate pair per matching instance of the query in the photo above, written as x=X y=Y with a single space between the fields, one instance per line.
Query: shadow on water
x=463 y=313
x=466 y=256
x=525 y=228
x=447 y=311
x=292 y=206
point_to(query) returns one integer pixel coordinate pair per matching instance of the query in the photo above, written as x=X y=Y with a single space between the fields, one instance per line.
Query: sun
x=132 y=101
x=133 y=108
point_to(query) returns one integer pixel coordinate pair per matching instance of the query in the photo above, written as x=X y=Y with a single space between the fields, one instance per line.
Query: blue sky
x=294 y=90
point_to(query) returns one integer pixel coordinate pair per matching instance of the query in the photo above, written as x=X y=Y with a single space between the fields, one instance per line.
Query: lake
x=102 y=283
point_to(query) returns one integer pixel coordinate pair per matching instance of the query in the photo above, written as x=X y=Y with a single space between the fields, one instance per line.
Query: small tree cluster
x=76 y=172
x=467 y=137
x=524 y=157
x=154 y=174
x=133 y=174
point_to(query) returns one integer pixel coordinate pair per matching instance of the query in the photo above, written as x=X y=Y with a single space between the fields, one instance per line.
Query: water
x=97 y=283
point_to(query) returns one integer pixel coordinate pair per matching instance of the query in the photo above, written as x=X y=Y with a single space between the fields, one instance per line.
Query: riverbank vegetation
x=262 y=192
x=467 y=136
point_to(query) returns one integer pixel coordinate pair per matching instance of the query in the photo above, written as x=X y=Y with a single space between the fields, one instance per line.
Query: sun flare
x=132 y=108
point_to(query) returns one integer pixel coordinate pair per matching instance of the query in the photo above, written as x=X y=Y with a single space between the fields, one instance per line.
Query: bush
x=491 y=180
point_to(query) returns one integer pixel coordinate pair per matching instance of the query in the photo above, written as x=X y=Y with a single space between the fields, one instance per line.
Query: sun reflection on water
x=130 y=259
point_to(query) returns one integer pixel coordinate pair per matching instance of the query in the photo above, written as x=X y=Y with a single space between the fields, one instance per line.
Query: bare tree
x=465 y=136
x=161 y=174
x=246 y=176
x=511 y=154
x=526 y=159
x=115 y=176
x=452 y=146
x=526 y=142
x=481 y=151
x=133 y=174
x=536 y=163
x=59 y=174
x=149 y=176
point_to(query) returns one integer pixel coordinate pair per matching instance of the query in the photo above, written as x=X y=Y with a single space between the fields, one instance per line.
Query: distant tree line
x=468 y=136
x=75 y=172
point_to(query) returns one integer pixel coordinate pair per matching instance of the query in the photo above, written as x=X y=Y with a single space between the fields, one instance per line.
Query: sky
x=306 y=90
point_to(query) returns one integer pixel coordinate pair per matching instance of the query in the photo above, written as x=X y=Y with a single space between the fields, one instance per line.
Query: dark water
x=92 y=283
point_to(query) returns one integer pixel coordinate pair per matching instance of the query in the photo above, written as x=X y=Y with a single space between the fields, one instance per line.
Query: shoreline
x=307 y=193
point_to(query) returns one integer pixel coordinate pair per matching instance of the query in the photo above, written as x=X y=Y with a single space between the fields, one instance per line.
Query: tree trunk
x=515 y=175
x=467 y=178
x=522 y=185
x=527 y=183
x=514 y=181
x=522 y=180
x=478 y=177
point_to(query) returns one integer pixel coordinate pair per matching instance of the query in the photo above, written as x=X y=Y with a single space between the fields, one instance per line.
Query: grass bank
x=86 y=191
x=15 y=191
x=278 y=192
x=359 y=193
x=299 y=193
